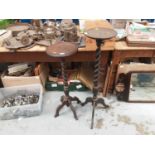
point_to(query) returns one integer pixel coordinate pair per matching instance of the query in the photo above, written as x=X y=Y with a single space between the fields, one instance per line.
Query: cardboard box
x=40 y=78
x=140 y=34
x=118 y=23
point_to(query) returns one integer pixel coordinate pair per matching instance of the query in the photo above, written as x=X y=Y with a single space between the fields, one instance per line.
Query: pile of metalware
x=19 y=100
x=27 y=35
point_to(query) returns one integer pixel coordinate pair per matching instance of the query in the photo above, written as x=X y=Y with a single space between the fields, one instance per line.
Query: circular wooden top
x=62 y=49
x=100 y=33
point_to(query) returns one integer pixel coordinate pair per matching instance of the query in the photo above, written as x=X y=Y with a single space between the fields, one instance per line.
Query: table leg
x=116 y=58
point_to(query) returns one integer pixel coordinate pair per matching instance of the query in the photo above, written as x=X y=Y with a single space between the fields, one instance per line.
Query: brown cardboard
x=9 y=81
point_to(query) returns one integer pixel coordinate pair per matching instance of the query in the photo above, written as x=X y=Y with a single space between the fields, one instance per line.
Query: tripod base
x=95 y=102
x=67 y=100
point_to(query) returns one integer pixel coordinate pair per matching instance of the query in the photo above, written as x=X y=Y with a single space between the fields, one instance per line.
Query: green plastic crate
x=73 y=86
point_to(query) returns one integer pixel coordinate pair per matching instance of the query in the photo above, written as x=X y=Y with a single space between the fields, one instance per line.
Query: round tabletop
x=62 y=49
x=100 y=33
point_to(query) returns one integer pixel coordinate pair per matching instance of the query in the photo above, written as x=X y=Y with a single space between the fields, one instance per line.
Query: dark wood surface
x=100 y=33
x=62 y=49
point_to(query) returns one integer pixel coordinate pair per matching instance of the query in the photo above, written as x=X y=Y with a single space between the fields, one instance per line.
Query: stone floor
x=122 y=118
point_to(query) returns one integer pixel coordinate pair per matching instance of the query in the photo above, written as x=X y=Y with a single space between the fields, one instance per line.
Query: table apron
x=43 y=57
x=133 y=54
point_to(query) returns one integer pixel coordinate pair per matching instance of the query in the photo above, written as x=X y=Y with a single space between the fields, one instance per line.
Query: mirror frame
x=127 y=91
x=124 y=95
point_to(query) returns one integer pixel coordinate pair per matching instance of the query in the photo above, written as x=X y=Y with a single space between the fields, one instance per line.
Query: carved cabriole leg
x=58 y=109
x=74 y=112
x=88 y=99
x=101 y=101
x=75 y=99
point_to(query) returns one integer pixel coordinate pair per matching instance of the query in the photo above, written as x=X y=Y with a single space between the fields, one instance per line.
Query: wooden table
x=38 y=53
x=123 y=51
x=86 y=54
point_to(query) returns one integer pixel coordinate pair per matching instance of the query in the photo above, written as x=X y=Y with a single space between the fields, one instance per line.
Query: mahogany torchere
x=100 y=35
x=62 y=50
